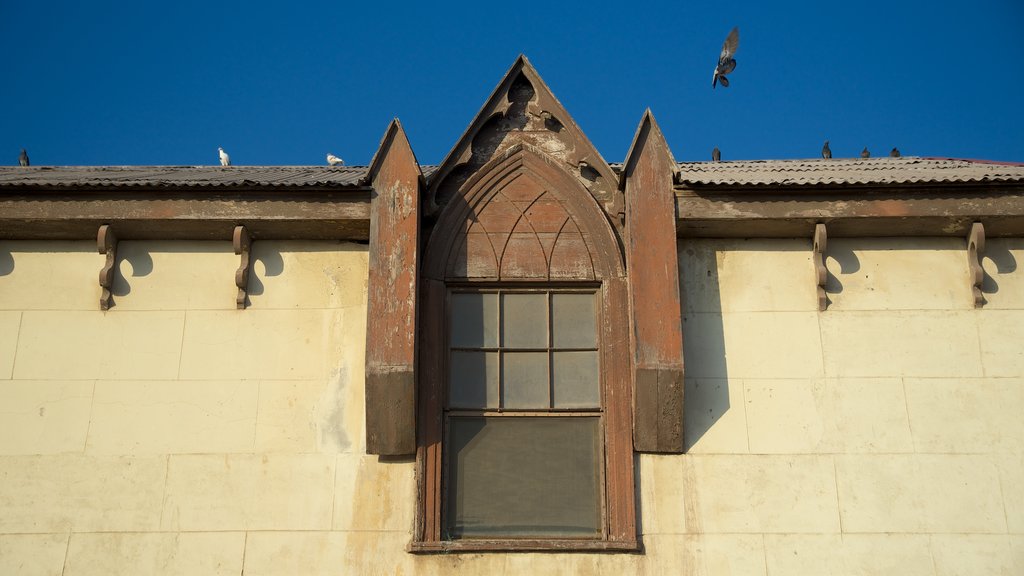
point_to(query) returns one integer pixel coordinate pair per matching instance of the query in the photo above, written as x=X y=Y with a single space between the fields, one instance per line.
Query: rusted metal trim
x=106 y=242
x=242 y=244
x=820 y=270
x=975 y=249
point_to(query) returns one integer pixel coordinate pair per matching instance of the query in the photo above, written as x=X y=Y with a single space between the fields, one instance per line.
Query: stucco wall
x=882 y=436
x=177 y=435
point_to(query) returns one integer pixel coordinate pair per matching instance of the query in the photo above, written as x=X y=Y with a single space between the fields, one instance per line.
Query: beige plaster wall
x=177 y=435
x=882 y=436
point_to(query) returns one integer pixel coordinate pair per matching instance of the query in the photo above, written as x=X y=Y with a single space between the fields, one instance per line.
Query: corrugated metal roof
x=183 y=176
x=905 y=170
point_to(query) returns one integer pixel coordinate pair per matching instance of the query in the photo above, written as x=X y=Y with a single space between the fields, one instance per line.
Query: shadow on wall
x=6 y=262
x=139 y=257
x=9 y=250
x=706 y=397
x=998 y=251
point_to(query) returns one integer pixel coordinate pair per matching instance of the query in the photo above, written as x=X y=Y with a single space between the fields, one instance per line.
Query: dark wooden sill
x=524 y=545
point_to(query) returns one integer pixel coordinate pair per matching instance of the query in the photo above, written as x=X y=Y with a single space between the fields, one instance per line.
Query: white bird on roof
x=334 y=160
x=225 y=160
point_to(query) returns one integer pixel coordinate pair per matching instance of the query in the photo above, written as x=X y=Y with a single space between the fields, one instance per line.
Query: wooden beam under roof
x=793 y=212
x=176 y=214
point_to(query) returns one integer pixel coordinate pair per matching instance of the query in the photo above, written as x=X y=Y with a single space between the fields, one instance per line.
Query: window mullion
x=501 y=352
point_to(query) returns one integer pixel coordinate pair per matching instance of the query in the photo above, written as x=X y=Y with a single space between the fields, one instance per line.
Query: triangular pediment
x=523 y=111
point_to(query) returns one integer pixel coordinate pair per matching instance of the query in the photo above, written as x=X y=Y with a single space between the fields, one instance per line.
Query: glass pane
x=474 y=380
x=474 y=319
x=523 y=477
x=525 y=380
x=573 y=320
x=576 y=382
x=524 y=320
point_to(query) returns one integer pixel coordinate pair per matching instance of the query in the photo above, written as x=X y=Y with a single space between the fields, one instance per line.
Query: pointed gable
x=523 y=111
x=523 y=195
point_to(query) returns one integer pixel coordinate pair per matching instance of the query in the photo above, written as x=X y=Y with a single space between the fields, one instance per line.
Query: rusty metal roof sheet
x=886 y=170
x=905 y=170
x=183 y=176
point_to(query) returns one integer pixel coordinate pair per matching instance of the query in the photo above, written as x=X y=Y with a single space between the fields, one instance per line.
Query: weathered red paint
x=654 y=292
x=391 y=298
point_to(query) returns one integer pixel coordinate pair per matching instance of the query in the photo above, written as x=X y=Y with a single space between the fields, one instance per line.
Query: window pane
x=573 y=320
x=525 y=380
x=474 y=319
x=524 y=320
x=576 y=382
x=523 y=477
x=474 y=380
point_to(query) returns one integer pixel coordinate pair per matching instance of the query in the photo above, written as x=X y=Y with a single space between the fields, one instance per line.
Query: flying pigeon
x=826 y=152
x=334 y=160
x=225 y=160
x=23 y=158
x=864 y=153
x=716 y=155
x=726 y=62
x=895 y=152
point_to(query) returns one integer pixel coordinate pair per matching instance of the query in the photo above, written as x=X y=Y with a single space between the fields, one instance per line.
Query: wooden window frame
x=502 y=411
x=618 y=529
x=605 y=271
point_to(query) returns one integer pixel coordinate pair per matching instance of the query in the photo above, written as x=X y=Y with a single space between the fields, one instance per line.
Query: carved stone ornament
x=523 y=111
x=106 y=242
x=820 y=270
x=975 y=249
x=243 y=247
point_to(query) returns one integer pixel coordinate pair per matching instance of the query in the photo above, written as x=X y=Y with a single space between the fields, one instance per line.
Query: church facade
x=522 y=360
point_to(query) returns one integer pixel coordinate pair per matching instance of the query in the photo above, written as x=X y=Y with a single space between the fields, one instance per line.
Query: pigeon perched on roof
x=23 y=158
x=895 y=152
x=865 y=153
x=726 y=62
x=826 y=152
x=225 y=160
x=716 y=155
x=334 y=160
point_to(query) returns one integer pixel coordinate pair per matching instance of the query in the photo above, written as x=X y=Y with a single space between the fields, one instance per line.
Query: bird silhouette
x=865 y=153
x=895 y=152
x=726 y=62
x=225 y=160
x=826 y=152
x=334 y=160
x=716 y=155
x=23 y=158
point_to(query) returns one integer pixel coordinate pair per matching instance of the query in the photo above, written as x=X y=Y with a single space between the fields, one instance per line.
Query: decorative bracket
x=975 y=248
x=243 y=244
x=106 y=242
x=820 y=271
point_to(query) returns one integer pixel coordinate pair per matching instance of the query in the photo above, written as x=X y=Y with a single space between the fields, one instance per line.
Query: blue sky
x=125 y=83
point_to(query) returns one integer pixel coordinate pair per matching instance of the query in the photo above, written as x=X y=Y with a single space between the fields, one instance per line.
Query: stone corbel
x=243 y=247
x=820 y=271
x=106 y=242
x=975 y=249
